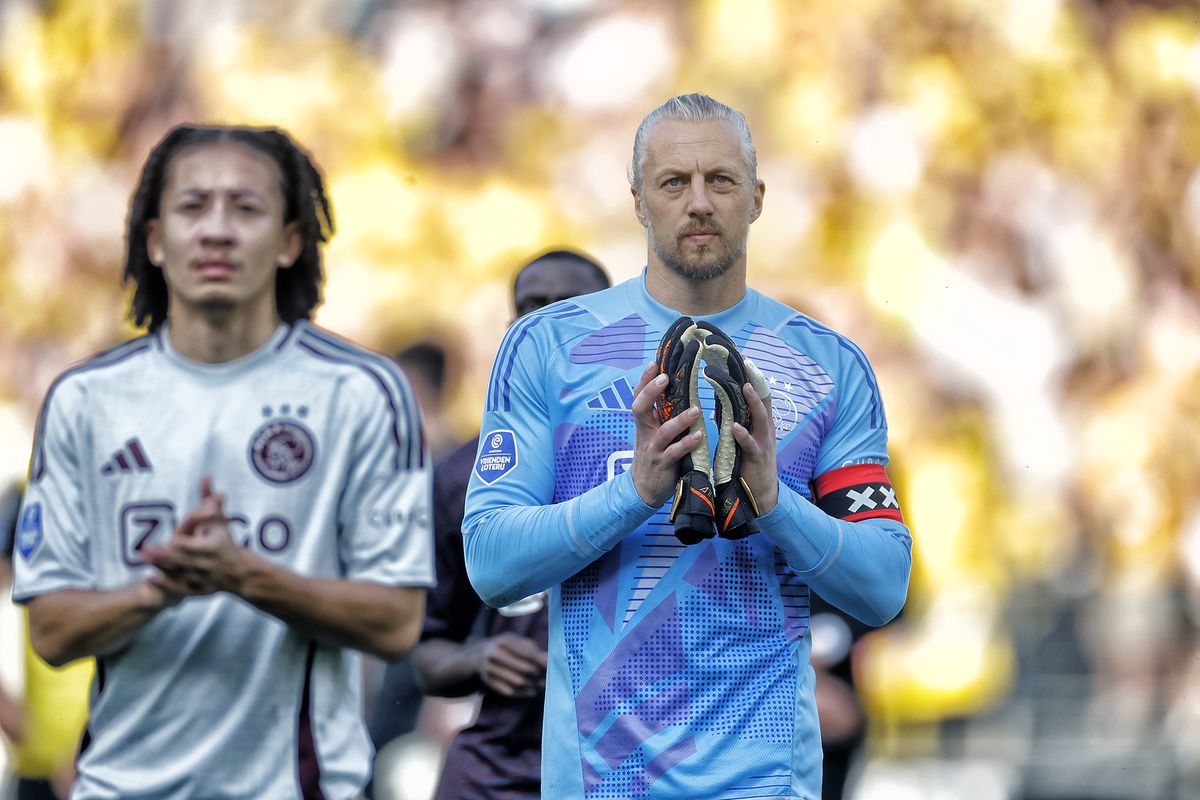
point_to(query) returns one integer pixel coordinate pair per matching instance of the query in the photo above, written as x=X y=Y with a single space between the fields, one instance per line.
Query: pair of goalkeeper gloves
x=710 y=493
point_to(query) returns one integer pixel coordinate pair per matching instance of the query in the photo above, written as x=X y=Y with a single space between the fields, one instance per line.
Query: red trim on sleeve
x=852 y=475
x=857 y=492
x=888 y=513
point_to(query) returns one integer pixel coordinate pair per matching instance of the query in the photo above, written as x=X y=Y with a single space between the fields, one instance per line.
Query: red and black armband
x=860 y=491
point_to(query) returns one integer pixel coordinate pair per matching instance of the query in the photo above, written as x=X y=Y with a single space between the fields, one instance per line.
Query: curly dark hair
x=298 y=288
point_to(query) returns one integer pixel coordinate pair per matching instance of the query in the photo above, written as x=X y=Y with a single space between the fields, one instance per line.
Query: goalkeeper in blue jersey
x=681 y=462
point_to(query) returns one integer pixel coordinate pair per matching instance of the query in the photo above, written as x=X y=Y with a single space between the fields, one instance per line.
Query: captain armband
x=857 y=492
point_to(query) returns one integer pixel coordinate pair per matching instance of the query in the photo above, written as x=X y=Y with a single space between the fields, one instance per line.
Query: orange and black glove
x=726 y=371
x=678 y=358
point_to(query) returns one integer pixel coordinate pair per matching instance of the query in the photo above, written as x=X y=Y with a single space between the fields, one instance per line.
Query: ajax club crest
x=282 y=450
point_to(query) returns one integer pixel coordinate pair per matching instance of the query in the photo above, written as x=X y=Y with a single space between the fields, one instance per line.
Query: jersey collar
x=235 y=367
x=660 y=316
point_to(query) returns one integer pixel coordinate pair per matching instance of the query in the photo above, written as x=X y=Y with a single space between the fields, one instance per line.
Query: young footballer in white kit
x=222 y=510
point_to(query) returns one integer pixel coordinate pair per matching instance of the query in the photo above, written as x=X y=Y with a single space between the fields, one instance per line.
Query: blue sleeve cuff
x=618 y=503
x=808 y=537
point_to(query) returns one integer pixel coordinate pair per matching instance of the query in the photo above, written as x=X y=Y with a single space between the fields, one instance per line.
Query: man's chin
x=699 y=270
x=215 y=306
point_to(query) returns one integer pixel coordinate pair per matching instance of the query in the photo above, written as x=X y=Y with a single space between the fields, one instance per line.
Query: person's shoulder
x=817 y=335
x=581 y=313
x=111 y=365
x=836 y=353
x=339 y=356
x=371 y=377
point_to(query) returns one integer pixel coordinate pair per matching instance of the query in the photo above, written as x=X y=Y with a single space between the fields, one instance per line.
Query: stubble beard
x=708 y=262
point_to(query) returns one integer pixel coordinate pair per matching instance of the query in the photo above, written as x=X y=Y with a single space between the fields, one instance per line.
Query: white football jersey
x=317 y=445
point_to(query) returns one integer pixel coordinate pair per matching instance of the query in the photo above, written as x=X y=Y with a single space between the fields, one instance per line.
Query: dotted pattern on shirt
x=581 y=462
x=798 y=472
x=616 y=783
x=794 y=594
x=739 y=653
x=659 y=654
x=577 y=610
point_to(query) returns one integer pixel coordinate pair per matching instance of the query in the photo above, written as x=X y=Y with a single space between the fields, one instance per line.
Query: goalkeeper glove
x=678 y=357
x=727 y=372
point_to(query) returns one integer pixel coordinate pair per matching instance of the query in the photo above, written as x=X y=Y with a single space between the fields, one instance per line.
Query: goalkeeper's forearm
x=515 y=551
x=860 y=567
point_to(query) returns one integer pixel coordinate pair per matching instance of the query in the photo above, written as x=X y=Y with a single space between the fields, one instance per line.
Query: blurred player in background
x=44 y=724
x=843 y=719
x=467 y=647
x=682 y=670
x=428 y=366
x=222 y=510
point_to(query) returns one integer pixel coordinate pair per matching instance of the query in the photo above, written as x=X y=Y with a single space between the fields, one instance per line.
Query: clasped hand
x=200 y=557
x=656 y=451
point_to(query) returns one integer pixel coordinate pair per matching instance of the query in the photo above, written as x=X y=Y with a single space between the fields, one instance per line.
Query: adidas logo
x=130 y=458
x=617 y=396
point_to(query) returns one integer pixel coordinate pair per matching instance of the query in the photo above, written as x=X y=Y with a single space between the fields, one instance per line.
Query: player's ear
x=293 y=244
x=760 y=189
x=154 y=243
x=639 y=210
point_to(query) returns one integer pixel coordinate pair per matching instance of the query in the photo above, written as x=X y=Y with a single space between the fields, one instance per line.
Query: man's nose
x=217 y=224
x=699 y=202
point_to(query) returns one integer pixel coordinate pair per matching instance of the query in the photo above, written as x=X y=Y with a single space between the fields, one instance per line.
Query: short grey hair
x=694 y=107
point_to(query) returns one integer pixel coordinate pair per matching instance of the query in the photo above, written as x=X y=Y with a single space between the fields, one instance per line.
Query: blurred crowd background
x=998 y=199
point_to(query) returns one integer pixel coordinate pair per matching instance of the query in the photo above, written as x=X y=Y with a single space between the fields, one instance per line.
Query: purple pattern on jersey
x=793 y=593
x=622 y=345
x=658 y=549
x=616 y=784
x=804 y=323
x=581 y=458
x=743 y=635
x=702 y=573
x=647 y=683
x=498 y=393
x=798 y=457
x=605 y=594
x=647 y=654
x=577 y=612
x=644 y=720
x=798 y=384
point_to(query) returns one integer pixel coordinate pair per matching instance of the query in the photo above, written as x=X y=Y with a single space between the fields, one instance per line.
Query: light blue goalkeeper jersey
x=679 y=671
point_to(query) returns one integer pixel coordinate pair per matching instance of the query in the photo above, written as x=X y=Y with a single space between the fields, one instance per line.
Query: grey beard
x=704 y=271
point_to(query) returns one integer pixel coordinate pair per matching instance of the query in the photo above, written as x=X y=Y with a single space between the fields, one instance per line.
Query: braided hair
x=298 y=288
